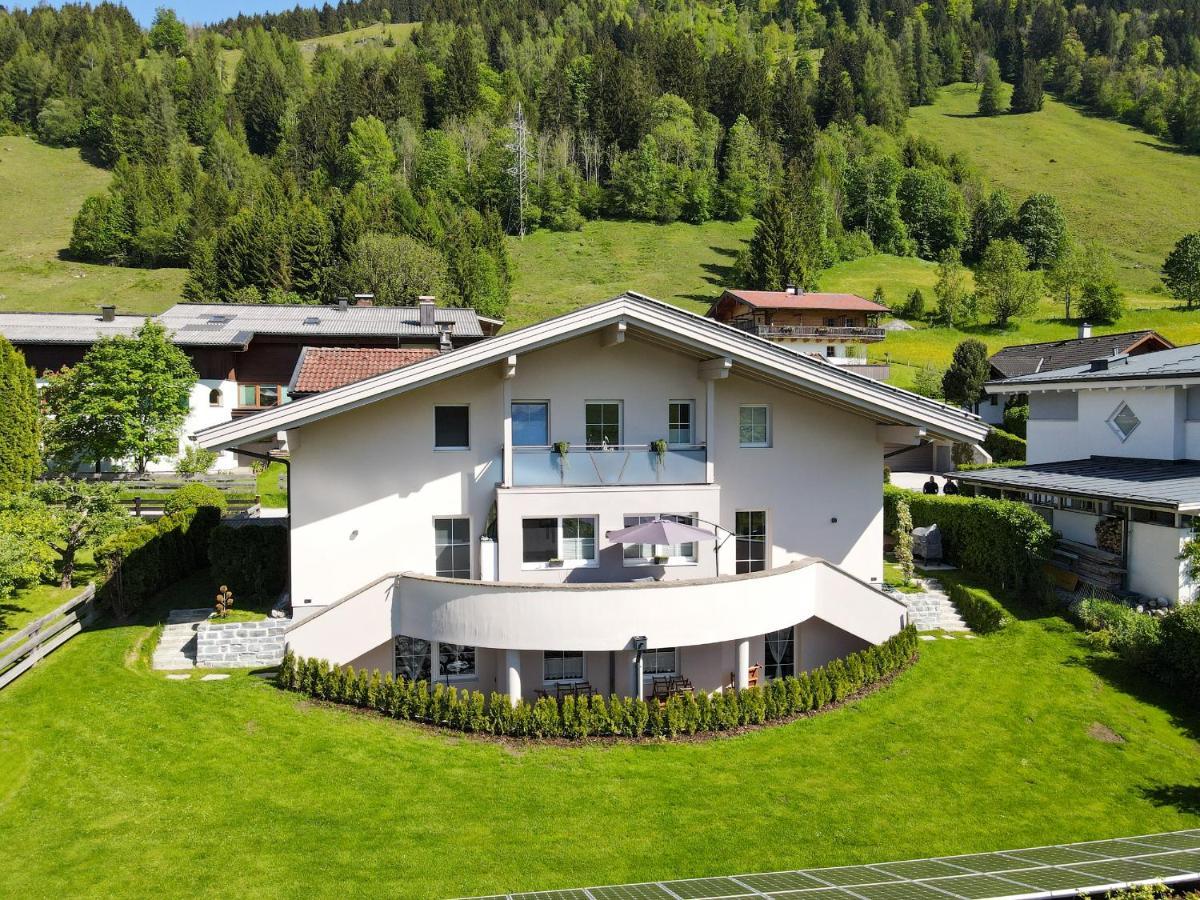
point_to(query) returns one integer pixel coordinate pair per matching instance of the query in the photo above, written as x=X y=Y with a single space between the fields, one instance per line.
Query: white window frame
x=565 y=563
x=467 y=544
x=436 y=407
x=620 y=404
x=1121 y=434
x=766 y=538
x=645 y=559
x=582 y=668
x=531 y=402
x=647 y=675
x=755 y=445
x=435 y=661
x=691 y=405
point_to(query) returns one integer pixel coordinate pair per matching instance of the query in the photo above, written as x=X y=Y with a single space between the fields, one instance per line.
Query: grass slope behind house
x=41 y=190
x=1001 y=742
x=369 y=36
x=1127 y=189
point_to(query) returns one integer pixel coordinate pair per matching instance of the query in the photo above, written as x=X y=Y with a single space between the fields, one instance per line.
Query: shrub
x=1133 y=636
x=980 y=610
x=195 y=461
x=194 y=496
x=995 y=539
x=1180 y=646
x=1004 y=447
x=1016 y=419
x=904 y=540
x=251 y=559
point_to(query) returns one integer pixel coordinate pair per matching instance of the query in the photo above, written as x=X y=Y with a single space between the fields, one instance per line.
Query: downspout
x=287 y=465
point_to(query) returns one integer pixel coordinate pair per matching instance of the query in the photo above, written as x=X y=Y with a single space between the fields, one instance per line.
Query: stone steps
x=177 y=646
x=932 y=610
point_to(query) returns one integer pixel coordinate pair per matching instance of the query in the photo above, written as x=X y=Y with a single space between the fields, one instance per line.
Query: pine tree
x=20 y=422
x=1027 y=90
x=311 y=249
x=989 y=92
x=775 y=257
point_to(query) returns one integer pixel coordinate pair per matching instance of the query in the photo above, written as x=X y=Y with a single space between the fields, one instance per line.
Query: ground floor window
x=637 y=554
x=570 y=540
x=414 y=659
x=660 y=661
x=562 y=665
x=751 y=540
x=781 y=653
x=456 y=661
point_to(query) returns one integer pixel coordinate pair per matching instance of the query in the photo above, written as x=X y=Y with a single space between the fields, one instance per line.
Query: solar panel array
x=1040 y=872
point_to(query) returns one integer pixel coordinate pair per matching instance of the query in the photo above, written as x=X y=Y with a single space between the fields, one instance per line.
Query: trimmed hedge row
x=1004 y=447
x=595 y=716
x=980 y=610
x=142 y=560
x=999 y=540
x=975 y=467
x=251 y=559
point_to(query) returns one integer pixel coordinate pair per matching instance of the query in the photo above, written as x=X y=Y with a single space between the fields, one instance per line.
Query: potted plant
x=562 y=448
x=660 y=560
x=659 y=449
x=554 y=562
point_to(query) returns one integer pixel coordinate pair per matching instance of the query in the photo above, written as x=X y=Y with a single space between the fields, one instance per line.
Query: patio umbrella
x=660 y=531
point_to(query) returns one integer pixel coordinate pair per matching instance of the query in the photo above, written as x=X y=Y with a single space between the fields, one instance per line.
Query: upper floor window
x=750 y=530
x=452 y=547
x=1124 y=421
x=602 y=423
x=754 y=425
x=451 y=428
x=830 y=351
x=261 y=395
x=681 y=429
x=214 y=397
x=530 y=423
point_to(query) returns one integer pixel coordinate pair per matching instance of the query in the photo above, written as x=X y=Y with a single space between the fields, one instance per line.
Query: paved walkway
x=931 y=610
x=1064 y=870
x=177 y=647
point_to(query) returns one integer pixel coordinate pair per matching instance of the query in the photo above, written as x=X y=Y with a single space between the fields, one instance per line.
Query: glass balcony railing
x=622 y=464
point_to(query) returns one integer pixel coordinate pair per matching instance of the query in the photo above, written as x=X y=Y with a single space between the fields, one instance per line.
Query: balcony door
x=602 y=423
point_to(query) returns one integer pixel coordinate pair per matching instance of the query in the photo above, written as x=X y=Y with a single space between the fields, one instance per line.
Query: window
x=1151 y=516
x=1081 y=504
x=602 y=423
x=456 y=661
x=781 y=653
x=571 y=539
x=260 y=395
x=677 y=554
x=1123 y=422
x=680 y=422
x=530 y=423
x=214 y=397
x=452 y=547
x=451 y=428
x=830 y=351
x=754 y=426
x=831 y=322
x=661 y=661
x=412 y=658
x=562 y=665
x=750 y=531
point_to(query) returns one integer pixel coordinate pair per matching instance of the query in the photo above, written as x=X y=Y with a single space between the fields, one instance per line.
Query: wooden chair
x=755 y=678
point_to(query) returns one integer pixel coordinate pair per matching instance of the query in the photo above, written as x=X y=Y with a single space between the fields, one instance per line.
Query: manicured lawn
x=892 y=576
x=19 y=610
x=42 y=189
x=116 y=782
x=270 y=495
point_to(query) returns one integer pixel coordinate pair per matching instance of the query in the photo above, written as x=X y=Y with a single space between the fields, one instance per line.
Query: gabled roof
x=325 y=368
x=808 y=300
x=1173 y=484
x=650 y=320
x=1178 y=364
x=1027 y=359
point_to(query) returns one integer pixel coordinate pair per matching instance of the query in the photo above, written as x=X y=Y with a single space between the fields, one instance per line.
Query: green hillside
x=358 y=38
x=1133 y=192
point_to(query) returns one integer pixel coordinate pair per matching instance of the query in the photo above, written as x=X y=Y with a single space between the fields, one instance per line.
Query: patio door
x=780 y=653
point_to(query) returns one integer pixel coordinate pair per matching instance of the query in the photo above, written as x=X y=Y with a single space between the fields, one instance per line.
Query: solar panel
x=1035 y=873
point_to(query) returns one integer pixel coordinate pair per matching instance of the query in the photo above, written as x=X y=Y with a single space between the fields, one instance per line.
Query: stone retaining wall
x=238 y=645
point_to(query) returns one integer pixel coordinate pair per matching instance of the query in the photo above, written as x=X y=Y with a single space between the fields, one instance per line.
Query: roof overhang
x=651 y=320
x=1022 y=386
x=1028 y=479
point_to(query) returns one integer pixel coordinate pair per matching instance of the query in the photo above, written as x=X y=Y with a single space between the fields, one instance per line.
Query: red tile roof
x=807 y=300
x=324 y=368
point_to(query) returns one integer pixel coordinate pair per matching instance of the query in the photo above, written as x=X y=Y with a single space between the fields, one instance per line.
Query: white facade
x=371 y=492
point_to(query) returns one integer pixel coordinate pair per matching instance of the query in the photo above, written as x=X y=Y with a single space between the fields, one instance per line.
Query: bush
x=194 y=496
x=1133 y=636
x=251 y=559
x=582 y=717
x=1000 y=540
x=195 y=461
x=1016 y=421
x=979 y=609
x=1180 y=646
x=1004 y=447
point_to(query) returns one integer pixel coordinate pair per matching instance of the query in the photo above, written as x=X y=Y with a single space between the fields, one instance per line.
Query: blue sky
x=197 y=11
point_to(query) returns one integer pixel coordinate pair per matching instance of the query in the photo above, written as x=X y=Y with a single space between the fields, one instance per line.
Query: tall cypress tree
x=20 y=422
x=775 y=256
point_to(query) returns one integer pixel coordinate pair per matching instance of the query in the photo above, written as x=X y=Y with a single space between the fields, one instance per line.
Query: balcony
x=624 y=464
x=864 y=333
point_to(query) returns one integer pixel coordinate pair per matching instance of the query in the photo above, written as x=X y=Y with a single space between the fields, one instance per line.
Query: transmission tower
x=520 y=167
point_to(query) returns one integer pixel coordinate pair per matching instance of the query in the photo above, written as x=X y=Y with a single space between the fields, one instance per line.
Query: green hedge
x=1004 y=447
x=1016 y=421
x=975 y=467
x=251 y=559
x=1179 y=652
x=999 y=540
x=145 y=559
x=980 y=610
x=594 y=716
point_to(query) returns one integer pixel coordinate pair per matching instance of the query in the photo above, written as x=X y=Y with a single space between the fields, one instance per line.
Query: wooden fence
x=22 y=651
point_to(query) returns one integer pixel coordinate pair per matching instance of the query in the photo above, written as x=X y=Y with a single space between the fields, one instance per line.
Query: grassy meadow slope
x=41 y=189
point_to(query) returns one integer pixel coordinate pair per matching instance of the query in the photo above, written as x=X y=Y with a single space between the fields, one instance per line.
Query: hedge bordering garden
x=979 y=609
x=682 y=714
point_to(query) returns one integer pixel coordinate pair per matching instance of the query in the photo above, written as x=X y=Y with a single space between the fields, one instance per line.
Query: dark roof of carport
x=1174 y=484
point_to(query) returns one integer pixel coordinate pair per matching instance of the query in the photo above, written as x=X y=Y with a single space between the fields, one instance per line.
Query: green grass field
x=368 y=36
x=117 y=782
x=41 y=189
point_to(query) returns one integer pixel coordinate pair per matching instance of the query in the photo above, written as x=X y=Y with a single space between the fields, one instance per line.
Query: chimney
x=791 y=289
x=364 y=299
x=444 y=330
x=426 y=305
x=108 y=312
x=1104 y=363
x=343 y=303
x=1085 y=329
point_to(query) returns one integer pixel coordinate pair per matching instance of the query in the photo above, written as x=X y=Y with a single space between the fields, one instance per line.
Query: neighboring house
x=449 y=519
x=1113 y=465
x=325 y=368
x=837 y=327
x=1030 y=359
x=245 y=355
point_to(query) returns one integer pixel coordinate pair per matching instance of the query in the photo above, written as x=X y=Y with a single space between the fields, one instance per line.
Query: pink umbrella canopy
x=660 y=531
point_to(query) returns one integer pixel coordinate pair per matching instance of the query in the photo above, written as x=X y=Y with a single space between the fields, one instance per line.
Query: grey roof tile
x=1045 y=356
x=1178 y=362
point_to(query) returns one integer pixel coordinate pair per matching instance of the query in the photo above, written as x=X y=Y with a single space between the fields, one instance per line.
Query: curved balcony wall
x=595 y=616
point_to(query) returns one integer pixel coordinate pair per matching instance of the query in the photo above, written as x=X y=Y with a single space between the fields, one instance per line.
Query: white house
x=1113 y=465
x=449 y=519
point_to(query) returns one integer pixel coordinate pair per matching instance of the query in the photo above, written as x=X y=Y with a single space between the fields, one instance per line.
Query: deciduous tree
x=1006 y=288
x=78 y=515
x=1181 y=270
